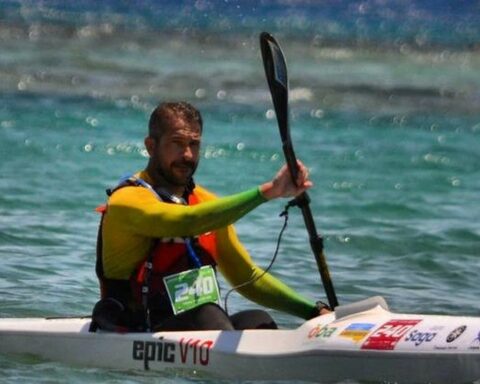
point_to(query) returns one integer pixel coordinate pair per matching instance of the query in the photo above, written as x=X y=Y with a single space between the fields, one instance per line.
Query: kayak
x=361 y=341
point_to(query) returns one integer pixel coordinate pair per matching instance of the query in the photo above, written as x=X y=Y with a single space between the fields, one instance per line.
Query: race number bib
x=189 y=289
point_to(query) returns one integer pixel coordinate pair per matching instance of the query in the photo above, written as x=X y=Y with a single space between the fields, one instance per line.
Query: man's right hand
x=283 y=186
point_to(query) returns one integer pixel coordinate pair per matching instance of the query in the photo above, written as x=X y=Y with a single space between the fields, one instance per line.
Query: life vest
x=168 y=256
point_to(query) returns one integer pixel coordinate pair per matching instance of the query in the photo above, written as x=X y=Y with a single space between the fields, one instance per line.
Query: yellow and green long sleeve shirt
x=135 y=217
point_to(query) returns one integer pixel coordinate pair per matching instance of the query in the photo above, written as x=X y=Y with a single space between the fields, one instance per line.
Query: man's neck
x=158 y=182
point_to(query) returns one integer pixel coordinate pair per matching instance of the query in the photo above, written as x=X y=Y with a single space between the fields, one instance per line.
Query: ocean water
x=385 y=110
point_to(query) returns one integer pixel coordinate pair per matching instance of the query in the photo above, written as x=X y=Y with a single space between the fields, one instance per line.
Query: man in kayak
x=162 y=238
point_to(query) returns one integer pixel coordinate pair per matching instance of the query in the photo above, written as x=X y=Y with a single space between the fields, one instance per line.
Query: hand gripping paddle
x=276 y=73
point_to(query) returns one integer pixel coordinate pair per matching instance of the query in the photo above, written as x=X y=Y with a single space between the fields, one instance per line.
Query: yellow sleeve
x=237 y=266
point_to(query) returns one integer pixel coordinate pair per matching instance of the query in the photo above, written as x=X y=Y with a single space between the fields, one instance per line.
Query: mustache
x=184 y=163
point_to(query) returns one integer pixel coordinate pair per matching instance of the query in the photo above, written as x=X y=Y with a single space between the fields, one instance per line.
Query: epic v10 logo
x=187 y=351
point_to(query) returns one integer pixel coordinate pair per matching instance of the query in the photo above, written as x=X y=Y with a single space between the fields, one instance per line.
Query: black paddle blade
x=276 y=73
x=277 y=78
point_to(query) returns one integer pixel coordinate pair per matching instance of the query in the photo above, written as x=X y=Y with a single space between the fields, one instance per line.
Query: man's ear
x=150 y=145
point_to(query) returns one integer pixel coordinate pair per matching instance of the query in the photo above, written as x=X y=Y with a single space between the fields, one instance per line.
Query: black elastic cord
x=146 y=292
x=284 y=214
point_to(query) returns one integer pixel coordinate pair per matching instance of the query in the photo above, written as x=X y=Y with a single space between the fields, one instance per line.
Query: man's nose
x=188 y=152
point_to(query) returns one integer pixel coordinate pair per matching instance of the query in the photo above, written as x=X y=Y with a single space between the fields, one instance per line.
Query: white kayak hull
x=361 y=342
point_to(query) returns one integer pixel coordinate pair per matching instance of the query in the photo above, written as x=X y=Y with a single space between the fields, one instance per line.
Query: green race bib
x=191 y=288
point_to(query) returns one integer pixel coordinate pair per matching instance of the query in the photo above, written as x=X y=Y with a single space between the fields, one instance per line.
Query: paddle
x=276 y=73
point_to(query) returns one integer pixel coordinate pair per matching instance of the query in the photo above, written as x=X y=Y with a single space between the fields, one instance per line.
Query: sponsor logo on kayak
x=456 y=333
x=476 y=342
x=418 y=337
x=357 y=331
x=389 y=334
x=322 y=332
x=187 y=351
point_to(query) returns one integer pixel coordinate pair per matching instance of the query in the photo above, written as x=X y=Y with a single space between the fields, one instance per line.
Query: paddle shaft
x=316 y=240
x=276 y=73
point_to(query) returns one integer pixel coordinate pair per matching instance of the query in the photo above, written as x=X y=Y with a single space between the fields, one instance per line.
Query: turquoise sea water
x=385 y=110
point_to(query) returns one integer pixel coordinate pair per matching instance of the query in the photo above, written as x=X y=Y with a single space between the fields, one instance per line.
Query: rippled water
x=384 y=109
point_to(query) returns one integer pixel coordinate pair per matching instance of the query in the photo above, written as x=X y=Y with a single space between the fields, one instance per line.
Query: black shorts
x=111 y=315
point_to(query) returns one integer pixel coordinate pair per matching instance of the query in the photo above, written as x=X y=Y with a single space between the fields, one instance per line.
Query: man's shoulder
x=130 y=195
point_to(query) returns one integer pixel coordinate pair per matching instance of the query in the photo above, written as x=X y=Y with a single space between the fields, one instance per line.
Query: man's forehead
x=182 y=128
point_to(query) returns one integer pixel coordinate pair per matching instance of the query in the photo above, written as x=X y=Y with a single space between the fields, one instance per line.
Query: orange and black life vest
x=174 y=255
x=145 y=288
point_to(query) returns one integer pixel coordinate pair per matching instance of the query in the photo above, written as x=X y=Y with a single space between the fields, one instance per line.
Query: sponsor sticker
x=389 y=334
x=357 y=331
x=321 y=332
x=456 y=333
x=418 y=337
x=475 y=344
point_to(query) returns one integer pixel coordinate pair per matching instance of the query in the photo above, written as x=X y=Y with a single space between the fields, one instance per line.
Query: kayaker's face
x=174 y=155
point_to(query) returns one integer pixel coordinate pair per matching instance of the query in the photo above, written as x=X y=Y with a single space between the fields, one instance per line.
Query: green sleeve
x=237 y=266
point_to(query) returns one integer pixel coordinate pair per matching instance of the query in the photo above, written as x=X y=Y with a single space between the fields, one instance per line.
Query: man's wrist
x=320 y=309
x=267 y=191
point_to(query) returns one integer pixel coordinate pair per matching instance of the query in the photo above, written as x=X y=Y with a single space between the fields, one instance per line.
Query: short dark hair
x=162 y=115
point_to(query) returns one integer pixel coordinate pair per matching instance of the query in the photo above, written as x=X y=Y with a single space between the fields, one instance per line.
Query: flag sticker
x=357 y=331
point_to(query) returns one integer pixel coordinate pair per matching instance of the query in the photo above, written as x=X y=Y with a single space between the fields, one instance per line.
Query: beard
x=179 y=173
